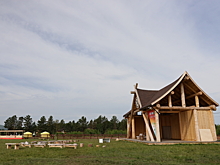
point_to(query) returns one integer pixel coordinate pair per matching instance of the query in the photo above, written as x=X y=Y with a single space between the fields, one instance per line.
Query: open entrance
x=169 y=126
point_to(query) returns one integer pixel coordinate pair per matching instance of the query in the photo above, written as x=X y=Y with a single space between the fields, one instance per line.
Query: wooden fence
x=80 y=136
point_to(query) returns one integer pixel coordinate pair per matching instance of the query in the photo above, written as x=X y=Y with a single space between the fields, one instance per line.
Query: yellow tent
x=28 y=134
x=45 y=134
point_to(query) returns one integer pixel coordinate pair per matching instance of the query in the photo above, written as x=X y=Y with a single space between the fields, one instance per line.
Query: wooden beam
x=213 y=107
x=196 y=92
x=190 y=88
x=169 y=111
x=135 y=111
x=157 y=127
x=186 y=78
x=139 y=101
x=184 y=108
x=157 y=105
x=182 y=95
x=188 y=97
x=135 y=86
x=148 y=127
x=132 y=92
x=196 y=125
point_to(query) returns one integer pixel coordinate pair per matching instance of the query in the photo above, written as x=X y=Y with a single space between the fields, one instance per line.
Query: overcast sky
x=69 y=58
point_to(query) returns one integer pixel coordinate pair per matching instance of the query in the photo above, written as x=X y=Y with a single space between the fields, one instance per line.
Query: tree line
x=100 y=125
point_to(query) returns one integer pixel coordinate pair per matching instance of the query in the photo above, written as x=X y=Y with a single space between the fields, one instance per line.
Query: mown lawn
x=116 y=152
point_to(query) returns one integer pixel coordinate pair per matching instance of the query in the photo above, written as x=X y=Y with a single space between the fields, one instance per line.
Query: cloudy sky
x=70 y=58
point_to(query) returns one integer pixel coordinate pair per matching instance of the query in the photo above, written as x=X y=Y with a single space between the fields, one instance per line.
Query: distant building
x=179 y=111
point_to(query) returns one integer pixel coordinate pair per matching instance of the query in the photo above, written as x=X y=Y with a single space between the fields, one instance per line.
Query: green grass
x=116 y=152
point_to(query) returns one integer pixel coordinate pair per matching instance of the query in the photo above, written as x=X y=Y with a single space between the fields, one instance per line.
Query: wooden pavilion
x=179 y=111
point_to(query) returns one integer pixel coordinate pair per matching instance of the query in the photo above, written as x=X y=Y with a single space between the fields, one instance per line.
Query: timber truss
x=183 y=100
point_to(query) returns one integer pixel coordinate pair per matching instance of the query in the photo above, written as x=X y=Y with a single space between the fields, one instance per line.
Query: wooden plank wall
x=205 y=121
x=171 y=120
x=187 y=126
x=175 y=126
x=139 y=125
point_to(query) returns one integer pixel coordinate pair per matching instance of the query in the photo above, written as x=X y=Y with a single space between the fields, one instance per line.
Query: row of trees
x=100 y=125
x=217 y=129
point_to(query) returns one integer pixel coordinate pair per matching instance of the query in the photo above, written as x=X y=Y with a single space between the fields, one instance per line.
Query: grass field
x=116 y=152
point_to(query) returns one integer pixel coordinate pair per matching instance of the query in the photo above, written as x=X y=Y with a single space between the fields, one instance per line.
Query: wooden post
x=183 y=95
x=157 y=127
x=196 y=125
x=148 y=127
x=197 y=101
x=169 y=101
x=128 y=128
x=147 y=135
x=133 y=128
x=196 y=119
x=147 y=132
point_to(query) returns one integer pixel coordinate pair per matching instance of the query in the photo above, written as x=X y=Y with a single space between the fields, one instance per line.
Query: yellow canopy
x=45 y=134
x=27 y=133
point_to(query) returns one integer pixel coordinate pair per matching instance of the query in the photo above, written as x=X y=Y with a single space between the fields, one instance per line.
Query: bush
x=217 y=129
x=75 y=133
x=91 y=131
x=115 y=131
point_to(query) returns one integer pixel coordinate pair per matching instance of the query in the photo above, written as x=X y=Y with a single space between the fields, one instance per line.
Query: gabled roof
x=150 y=98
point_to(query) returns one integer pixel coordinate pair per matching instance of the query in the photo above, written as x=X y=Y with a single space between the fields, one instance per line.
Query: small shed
x=45 y=134
x=27 y=134
x=179 y=111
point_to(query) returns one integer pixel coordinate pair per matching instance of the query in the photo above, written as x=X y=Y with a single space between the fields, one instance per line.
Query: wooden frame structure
x=181 y=111
x=11 y=134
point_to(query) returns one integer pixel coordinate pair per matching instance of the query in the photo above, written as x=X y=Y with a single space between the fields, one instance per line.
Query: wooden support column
x=169 y=101
x=212 y=125
x=147 y=135
x=182 y=95
x=151 y=138
x=157 y=127
x=133 y=128
x=196 y=119
x=147 y=130
x=128 y=128
x=197 y=100
x=196 y=125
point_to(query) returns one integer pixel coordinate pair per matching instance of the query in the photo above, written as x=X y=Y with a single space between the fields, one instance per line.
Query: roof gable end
x=162 y=93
